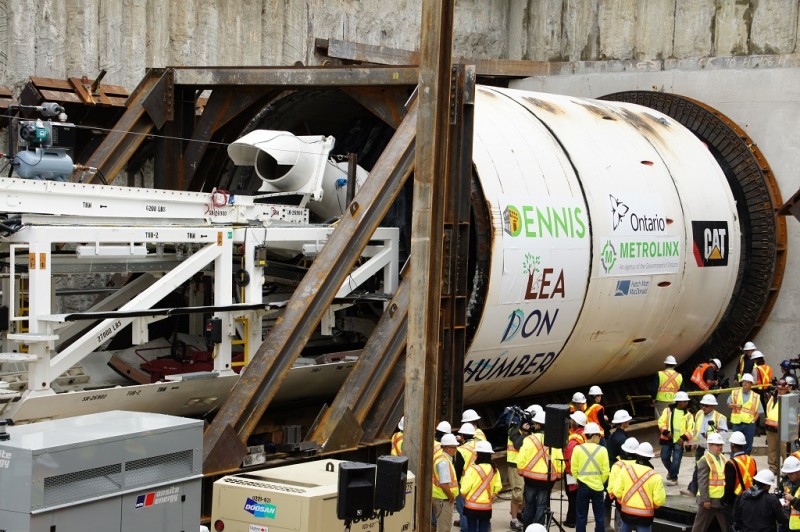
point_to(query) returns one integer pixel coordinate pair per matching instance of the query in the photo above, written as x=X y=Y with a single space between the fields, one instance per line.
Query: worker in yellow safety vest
x=706 y=421
x=479 y=486
x=441 y=429
x=464 y=458
x=590 y=468
x=668 y=383
x=540 y=467
x=745 y=361
x=771 y=425
x=676 y=426
x=397 y=439
x=711 y=486
x=745 y=406
x=791 y=468
x=471 y=416
x=518 y=431
x=762 y=374
x=577 y=422
x=639 y=491
x=445 y=483
x=625 y=455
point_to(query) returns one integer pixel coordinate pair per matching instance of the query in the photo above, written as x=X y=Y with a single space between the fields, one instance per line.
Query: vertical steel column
x=422 y=367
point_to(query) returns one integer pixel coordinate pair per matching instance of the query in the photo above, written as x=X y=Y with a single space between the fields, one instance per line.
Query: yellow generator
x=295 y=498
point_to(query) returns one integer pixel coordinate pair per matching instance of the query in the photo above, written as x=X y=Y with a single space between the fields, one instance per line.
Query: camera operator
x=771 y=424
x=519 y=428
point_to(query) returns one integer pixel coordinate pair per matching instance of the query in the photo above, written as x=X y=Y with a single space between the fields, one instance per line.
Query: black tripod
x=550 y=515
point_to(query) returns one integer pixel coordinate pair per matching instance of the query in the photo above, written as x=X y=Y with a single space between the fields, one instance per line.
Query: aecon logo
x=608 y=257
x=710 y=243
x=260 y=510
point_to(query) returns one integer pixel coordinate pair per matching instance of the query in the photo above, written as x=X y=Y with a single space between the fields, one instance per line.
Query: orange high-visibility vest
x=697 y=375
x=746 y=467
x=397 y=444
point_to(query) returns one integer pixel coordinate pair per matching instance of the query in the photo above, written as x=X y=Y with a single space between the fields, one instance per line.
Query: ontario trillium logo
x=618 y=211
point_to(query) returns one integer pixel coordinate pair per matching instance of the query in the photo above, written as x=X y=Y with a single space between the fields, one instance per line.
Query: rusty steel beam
x=359 y=391
x=383 y=55
x=130 y=131
x=427 y=228
x=296 y=77
x=382 y=419
x=259 y=381
x=225 y=104
x=385 y=103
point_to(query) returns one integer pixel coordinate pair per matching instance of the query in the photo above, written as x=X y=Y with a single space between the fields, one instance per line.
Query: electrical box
x=787 y=419
x=295 y=498
x=130 y=471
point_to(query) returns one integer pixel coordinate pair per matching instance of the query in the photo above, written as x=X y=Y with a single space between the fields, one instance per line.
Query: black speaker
x=556 y=426
x=390 y=483
x=356 y=490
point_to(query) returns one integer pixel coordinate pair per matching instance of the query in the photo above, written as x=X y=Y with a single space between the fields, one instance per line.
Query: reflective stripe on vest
x=763 y=374
x=439 y=488
x=541 y=473
x=716 y=475
x=668 y=385
x=590 y=460
x=592 y=415
x=697 y=375
x=698 y=423
x=772 y=413
x=471 y=501
x=468 y=453
x=397 y=444
x=511 y=452
x=794 y=517
x=637 y=488
x=747 y=470
x=747 y=412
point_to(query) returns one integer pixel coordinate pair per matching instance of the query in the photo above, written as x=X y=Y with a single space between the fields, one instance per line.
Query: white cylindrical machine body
x=615 y=242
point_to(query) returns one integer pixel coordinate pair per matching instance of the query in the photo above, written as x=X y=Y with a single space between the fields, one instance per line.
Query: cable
x=102 y=176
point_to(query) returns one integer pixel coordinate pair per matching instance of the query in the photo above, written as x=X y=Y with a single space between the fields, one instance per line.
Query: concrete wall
x=60 y=38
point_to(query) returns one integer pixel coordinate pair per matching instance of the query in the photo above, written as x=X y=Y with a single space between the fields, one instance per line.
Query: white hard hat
x=469 y=416
x=630 y=445
x=444 y=426
x=592 y=428
x=715 y=438
x=709 y=399
x=578 y=417
x=400 y=423
x=737 y=438
x=717 y=363
x=756 y=354
x=484 y=447
x=621 y=416
x=534 y=408
x=670 y=360
x=595 y=390
x=536 y=527
x=681 y=396
x=749 y=346
x=449 y=440
x=645 y=449
x=468 y=429
x=764 y=476
x=578 y=397
x=539 y=417
x=791 y=465
x=747 y=377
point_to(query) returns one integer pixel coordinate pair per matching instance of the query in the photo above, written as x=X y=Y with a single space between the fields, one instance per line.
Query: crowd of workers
x=600 y=467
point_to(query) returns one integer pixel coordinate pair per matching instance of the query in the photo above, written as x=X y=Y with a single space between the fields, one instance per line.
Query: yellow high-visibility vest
x=669 y=382
x=749 y=409
x=772 y=413
x=397 y=444
x=439 y=487
x=716 y=475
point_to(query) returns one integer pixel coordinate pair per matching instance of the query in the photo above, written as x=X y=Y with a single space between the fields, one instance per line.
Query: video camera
x=515 y=416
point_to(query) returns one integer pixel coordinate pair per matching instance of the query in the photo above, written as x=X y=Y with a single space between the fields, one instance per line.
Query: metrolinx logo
x=608 y=257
